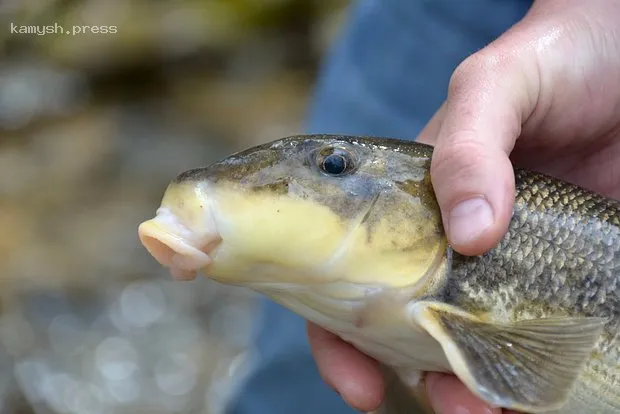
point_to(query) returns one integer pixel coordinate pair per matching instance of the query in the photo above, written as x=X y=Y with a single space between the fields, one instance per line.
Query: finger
x=490 y=95
x=355 y=376
x=449 y=396
x=428 y=135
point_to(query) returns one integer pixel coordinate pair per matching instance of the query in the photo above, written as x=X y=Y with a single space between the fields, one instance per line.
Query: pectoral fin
x=528 y=366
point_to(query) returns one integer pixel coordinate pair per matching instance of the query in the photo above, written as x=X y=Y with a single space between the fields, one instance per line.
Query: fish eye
x=335 y=161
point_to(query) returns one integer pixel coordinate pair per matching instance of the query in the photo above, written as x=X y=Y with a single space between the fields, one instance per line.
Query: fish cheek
x=284 y=237
x=398 y=243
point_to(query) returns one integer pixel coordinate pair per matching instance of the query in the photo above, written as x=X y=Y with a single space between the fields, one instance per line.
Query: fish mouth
x=176 y=245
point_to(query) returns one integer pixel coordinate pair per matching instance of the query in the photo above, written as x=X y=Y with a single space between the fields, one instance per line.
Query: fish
x=346 y=232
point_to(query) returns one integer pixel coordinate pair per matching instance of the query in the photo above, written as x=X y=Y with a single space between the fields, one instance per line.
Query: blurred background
x=93 y=126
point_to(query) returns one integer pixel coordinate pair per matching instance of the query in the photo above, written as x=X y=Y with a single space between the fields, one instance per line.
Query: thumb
x=490 y=94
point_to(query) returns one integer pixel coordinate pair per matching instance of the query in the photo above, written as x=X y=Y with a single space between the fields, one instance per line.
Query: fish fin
x=528 y=366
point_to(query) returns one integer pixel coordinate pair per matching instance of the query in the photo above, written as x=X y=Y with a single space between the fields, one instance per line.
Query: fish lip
x=176 y=246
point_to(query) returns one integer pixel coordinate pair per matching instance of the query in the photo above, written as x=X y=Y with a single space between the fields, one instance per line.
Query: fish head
x=303 y=210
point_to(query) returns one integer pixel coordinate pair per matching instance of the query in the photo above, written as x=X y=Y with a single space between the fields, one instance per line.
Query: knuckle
x=478 y=67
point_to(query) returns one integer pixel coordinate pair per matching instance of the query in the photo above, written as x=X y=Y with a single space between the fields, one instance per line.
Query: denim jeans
x=386 y=75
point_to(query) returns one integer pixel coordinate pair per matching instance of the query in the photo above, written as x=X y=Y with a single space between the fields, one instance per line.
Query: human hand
x=546 y=96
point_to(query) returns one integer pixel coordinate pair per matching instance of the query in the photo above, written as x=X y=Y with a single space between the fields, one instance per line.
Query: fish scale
x=562 y=247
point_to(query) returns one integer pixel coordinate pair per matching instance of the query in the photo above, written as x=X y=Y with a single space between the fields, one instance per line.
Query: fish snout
x=176 y=246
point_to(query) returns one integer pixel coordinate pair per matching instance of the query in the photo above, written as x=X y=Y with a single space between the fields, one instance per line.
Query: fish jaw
x=183 y=234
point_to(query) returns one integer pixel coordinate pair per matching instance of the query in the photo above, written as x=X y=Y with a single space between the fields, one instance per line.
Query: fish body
x=346 y=232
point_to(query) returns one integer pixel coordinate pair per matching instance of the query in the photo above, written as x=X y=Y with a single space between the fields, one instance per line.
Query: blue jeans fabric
x=387 y=74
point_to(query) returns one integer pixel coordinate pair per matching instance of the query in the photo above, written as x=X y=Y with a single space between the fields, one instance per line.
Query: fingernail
x=469 y=219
